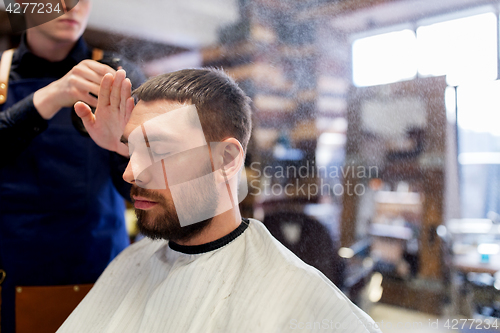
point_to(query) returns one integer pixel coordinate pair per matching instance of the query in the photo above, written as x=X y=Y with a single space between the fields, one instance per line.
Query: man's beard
x=166 y=224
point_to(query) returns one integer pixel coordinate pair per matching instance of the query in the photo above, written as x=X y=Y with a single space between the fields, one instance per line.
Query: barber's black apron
x=61 y=219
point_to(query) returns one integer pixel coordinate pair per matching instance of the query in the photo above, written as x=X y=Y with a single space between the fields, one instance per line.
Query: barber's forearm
x=45 y=102
x=19 y=125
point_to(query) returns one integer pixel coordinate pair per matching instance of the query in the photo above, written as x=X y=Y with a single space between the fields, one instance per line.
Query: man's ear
x=227 y=159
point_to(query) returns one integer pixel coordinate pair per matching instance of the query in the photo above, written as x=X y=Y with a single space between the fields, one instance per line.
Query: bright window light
x=384 y=58
x=479 y=107
x=463 y=49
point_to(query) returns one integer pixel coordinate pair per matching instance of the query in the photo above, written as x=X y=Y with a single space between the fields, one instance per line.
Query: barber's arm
x=26 y=119
x=19 y=125
x=75 y=86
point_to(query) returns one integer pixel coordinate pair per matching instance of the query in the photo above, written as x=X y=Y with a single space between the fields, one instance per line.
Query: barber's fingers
x=97 y=67
x=105 y=90
x=116 y=89
x=90 y=100
x=86 y=73
x=130 y=104
x=125 y=94
x=81 y=89
x=85 y=113
x=92 y=71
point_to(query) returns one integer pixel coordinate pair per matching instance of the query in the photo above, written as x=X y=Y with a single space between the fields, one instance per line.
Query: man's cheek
x=198 y=200
x=153 y=177
x=188 y=165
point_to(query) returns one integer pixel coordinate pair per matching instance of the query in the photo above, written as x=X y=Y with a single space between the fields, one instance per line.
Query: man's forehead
x=146 y=111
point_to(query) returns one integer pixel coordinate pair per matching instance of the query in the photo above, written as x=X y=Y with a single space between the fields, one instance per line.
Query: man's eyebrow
x=124 y=140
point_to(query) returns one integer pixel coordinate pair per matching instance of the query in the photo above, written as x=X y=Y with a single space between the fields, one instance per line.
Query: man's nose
x=128 y=174
x=150 y=177
x=142 y=180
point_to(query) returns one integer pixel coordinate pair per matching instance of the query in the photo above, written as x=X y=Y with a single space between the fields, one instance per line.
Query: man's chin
x=150 y=232
x=167 y=227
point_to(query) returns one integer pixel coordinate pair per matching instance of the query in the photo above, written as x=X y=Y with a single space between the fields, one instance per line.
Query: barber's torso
x=61 y=218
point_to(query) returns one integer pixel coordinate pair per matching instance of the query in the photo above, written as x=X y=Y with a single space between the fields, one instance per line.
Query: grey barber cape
x=244 y=282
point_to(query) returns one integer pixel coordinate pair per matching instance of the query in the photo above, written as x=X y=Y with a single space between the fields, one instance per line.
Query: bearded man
x=202 y=267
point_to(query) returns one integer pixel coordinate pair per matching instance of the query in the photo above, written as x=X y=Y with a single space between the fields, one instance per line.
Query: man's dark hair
x=223 y=108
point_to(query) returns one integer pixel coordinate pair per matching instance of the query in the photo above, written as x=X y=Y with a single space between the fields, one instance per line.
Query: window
x=478 y=120
x=464 y=50
x=384 y=58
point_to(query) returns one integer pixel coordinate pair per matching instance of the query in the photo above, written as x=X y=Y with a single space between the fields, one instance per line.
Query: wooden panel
x=216 y=53
x=423 y=168
x=430 y=244
x=397 y=292
x=348 y=217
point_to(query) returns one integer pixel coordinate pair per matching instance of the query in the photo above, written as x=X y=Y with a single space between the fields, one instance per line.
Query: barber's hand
x=113 y=111
x=73 y=87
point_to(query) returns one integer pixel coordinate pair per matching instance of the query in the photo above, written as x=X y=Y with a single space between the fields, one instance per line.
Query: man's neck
x=47 y=48
x=220 y=226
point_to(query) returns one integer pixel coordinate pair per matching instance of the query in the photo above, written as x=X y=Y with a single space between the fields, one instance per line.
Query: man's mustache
x=148 y=194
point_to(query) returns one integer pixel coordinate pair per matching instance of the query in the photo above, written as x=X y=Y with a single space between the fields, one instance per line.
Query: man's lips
x=143 y=203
